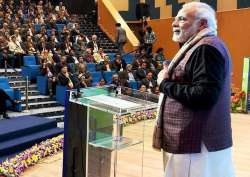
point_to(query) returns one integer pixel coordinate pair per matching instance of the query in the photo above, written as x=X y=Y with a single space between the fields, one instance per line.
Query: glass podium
x=104 y=131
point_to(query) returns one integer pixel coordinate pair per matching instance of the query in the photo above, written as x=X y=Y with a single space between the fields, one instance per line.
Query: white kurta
x=204 y=164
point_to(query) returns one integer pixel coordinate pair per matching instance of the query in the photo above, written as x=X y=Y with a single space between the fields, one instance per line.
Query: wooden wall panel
x=108 y=16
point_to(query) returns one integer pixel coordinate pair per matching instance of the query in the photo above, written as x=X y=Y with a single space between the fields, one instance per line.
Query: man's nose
x=175 y=23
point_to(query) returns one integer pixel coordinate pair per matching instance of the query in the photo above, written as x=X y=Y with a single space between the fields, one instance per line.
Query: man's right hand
x=163 y=74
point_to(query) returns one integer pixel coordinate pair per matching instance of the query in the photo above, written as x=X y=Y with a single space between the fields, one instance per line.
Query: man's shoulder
x=211 y=40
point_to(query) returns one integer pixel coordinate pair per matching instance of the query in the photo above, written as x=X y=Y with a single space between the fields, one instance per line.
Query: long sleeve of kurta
x=205 y=72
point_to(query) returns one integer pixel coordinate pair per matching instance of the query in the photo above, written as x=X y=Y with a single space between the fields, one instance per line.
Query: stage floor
x=52 y=167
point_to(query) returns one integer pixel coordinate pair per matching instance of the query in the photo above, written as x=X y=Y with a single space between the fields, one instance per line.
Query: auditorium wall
x=160 y=9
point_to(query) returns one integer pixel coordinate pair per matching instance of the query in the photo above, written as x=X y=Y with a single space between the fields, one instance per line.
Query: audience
x=29 y=28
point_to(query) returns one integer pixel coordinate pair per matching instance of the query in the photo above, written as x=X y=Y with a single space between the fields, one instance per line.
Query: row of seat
x=98 y=75
x=127 y=57
x=59 y=27
x=31 y=69
x=42 y=81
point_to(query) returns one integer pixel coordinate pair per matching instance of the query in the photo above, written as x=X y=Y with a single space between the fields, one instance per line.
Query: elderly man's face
x=94 y=38
x=185 y=25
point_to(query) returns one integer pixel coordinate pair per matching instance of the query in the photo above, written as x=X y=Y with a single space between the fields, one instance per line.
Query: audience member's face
x=157 y=90
x=106 y=58
x=63 y=59
x=5 y=25
x=94 y=38
x=29 y=45
x=143 y=51
x=143 y=88
x=100 y=50
x=159 y=65
x=185 y=25
x=89 y=51
x=64 y=69
x=118 y=60
x=129 y=67
x=16 y=32
x=13 y=38
x=149 y=76
x=80 y=59
x=53 y=33
x=115 y=78
x=72 y=52
x=102 y=82
x=144 y=65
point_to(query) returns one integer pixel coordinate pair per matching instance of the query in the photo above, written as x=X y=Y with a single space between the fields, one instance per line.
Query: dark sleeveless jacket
x=184 y=128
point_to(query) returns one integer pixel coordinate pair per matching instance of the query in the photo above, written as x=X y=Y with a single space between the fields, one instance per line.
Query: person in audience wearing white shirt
x=16 y=48
x=93 y=44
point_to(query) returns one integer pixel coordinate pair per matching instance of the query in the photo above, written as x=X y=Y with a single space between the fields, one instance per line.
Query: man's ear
x=203 y=24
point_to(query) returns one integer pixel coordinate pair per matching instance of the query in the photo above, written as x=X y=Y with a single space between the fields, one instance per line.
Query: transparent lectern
x=104 y=131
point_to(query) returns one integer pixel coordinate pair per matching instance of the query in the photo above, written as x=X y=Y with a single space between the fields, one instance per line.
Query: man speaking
x=195 y=111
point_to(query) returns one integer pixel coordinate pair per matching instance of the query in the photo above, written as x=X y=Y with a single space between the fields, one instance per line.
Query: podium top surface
x=109 y=100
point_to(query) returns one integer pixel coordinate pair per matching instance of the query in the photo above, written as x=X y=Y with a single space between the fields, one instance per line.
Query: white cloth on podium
x=204 y=164
x=112 y=101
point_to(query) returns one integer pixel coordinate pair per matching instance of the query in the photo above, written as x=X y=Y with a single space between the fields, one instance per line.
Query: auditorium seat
x=96 y=77
x=30 y=68
x=107 y=75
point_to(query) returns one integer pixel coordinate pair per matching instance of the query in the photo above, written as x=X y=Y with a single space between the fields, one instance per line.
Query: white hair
x=204 y=11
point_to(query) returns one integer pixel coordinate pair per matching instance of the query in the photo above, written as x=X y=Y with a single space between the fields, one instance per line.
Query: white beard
x=183 y=36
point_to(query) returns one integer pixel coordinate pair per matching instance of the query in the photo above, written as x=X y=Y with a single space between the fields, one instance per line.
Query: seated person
x=118 y=64
x=89 y=57
x=46 y=57
x=16 y=48
x=156 y=90
x=3 y=106
x=149 y=82
x=141 y=72
x=127 y=74
x=101 y=83
x=47 y=69
x=65 y=78
x=84 y=77
x=117 y=82
x=104 y=65
x=99 y=56
x=143 y=89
